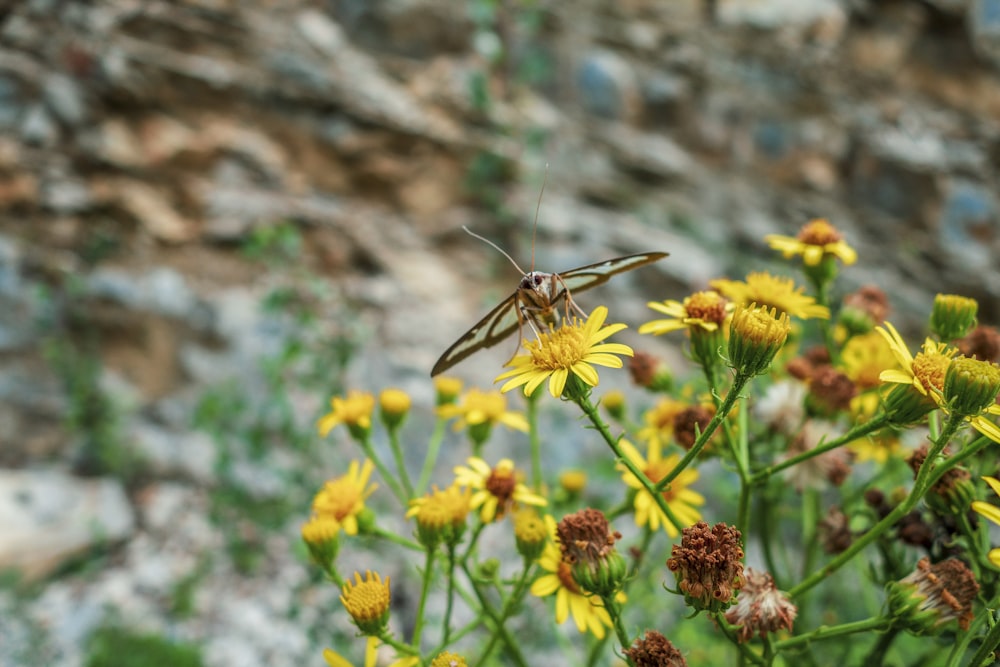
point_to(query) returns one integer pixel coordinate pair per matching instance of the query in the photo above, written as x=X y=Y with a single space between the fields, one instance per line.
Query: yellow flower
x=588 y=611
x=705 y=310
x=448 y=659
x=394 y=404
x=991 y=512
x=818 y=238
x=879 y=447
x=320 y=535
x=659 y=420
x=483 y=407
x=447 y=389
x=970 y=390
x=925 y=372
x=441 y=514
x=355 y=412
x=572 y=348
x=334 y=659
x=343 y=498
x=497 y=490
x=680 y=499
x=863 y=359
x=773 y=292
x=367 y=601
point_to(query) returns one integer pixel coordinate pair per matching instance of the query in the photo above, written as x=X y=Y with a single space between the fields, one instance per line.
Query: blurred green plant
x=115 y=646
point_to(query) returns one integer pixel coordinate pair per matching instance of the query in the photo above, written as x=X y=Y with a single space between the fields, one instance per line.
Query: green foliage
x=114 y=646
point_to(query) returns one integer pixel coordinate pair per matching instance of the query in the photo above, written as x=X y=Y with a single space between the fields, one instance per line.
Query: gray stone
x=168 y=453
x=608 y=87
x=65 y=98
x=777 y=13
x=66 y=195
x=38 y=127
x=968 y=225
x=984 y=28
x=11 y=102
x=49 y=516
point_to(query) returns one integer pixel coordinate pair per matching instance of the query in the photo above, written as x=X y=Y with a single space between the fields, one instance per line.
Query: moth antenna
x=497 y=248
x=538 y=206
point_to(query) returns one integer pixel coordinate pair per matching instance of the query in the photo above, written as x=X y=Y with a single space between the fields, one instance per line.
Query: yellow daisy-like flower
x=367 y=600
x=355 y=412
x=496 y=490
x=334 y=659
x=991 y=512
x=441 y=514
x=818 y=238
x=483 y=407
x=575 y=348
x=863 y=358
x=879 y=447
x=588 y=611
x=702 y=310
x=680 y=499
x=772 y=292
x=924 y=372
x=343 y=498
x=659 y=421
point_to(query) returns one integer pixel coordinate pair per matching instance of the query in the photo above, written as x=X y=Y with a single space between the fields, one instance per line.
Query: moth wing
x=592 y=275
x=497 y=325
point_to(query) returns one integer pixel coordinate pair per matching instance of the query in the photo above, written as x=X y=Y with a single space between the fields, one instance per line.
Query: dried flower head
x=834 y=532
x=830 y=467
x=654 y=650
x=782 y=407
x=983 y=342
x=760 y=608
x=588 y=545
x=708 y=565
x=648 y=371
x=690 y=422
x=871 y=301
x=830 y=391
x=953 y=492
x=933 y=595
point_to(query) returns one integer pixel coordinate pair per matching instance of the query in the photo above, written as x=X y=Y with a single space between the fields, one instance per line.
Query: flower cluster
x=806 y=418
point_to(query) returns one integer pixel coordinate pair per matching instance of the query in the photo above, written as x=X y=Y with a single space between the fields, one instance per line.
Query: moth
x=535 y=302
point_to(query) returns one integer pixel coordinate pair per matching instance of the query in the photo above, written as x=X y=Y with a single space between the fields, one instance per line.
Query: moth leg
x=570 y=303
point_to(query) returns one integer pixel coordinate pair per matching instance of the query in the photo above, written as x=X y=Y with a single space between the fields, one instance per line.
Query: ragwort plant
x=846 y=472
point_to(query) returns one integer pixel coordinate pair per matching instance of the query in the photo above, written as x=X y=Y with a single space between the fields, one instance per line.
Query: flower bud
x=447 y=389
x=393 y=405
x=320 y=535
x=971 y=386
x=530 y=533
x=953 y=316
x=932 y=596
x=756 y=335
x=367 y=601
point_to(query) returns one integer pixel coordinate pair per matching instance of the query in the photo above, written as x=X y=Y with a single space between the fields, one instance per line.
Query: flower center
x=706 y=306
x=559 y=349
x=930 y=369
x=656 y=471
x=819 y=232
x=501 y=484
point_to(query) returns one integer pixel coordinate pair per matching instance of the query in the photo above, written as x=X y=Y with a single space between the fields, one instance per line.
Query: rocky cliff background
x=215 y=214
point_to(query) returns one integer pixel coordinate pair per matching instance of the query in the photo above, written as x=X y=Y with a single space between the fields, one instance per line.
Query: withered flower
x=760 y=607
x=654 y=650
x=708 y=565
x=588 y=546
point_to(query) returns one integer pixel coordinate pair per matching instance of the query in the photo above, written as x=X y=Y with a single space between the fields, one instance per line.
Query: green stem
x=602 y=428
x=858 y=431
x=614 y=610
x=424 y=591
x=396 y=539
x=739 y=382
x=446 y=632
x=746 y=655
x=387 y=477
x=397 y=455
x=829 y=632
x=534 y=441
x=433 y=447
x=922 y=484
x=741 y=455
x=511 y=644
